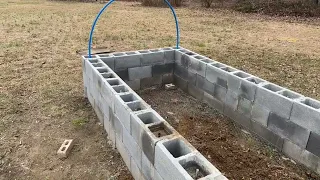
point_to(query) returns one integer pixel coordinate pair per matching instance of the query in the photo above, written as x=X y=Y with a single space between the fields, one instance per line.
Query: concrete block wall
x=149 y=146
x=286 y=119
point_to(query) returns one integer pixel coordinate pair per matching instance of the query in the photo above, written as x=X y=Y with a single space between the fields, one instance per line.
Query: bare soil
x=235 y=152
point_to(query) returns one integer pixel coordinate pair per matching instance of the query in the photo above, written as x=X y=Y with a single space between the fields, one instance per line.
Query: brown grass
x=41 y=82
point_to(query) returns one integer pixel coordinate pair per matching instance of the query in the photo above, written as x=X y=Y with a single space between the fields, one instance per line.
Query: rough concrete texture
x=287 y=120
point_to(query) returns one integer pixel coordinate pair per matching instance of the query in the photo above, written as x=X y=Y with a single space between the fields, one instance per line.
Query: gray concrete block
x=126 y=61
x=205 y=85
x=132 y=147
x=290 y=130
x=122 y=111
x=192 y=78
x=147 y=168
x=154 y=57
x=160 y=69
x=124 y=153
x=213 y=102
x=310 y=160
x=169 y=55
x=139 y=72
x=166 y=153
x=220 y=92
x=266 y=95
x=109 y=61
x=180 y=71
x=314 y=144
x=260 y=114
x=167 y=78
x=267 y=134
x=195 y=92
x=118 y=128
x=151 y=81
x=238 y=118
x=245 y=107
x=198 y=65
x=216 y=75
x=235 y=79
x=135 y=170
x=123 y=74
x=231 y=101
x=247 y=89
x=292 y=150
x=181 y=83
x=134 y=85
x=105 y=107
x=306 y=113
x=183 y=60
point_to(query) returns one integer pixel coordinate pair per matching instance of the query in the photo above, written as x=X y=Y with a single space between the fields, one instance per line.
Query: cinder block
x=235 y=79
x=65 y=148
x=192 y=78
x=119 y=128
x=166 y=153
x=147 y=128
x=290 y=130
x=134 y=85
x=160 y=69
x=135 y=170
x=147 y=168
x=195 y=64
x=310 y=160
x=231 y=101
x=216 y=75
x=123 y=74
x=181 y=83
x=139 y=72
x=205 y=85
x=122 y=110
x=195 y=92
x=167 y=78
x=213 y=102
x=267 y=96
x=238 y=118
x=292 y=150
x=182 y=59
x=306 y=113
x=124 y=153
x=260 y=114
x=151 y=81
x=123 y=61
x=314 y=144
x=109 y=61
x=168 y=55
x=180 y=71
x=245 y=107
x=220 y=92
x=267 y=134
x=154 y=57
x=248 y=89
x=132 y=147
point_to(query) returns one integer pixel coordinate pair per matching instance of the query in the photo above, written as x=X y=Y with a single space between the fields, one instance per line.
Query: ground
x=41 y=88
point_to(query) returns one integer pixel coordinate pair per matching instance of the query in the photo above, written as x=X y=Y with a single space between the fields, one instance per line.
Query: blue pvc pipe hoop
x=110 y=2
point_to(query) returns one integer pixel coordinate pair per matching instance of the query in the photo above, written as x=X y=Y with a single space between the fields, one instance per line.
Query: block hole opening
x=66 y=143
x=199 y=57
x=218 y=65
x=154 y=50
x=128 y=97
x=93 y=61
x=177 y=148
x=207 y=60
x=194 y=169
x=242 y=74
x=272 y=87
x=63 y=149
x=144 y=51
x=104 y=55
x=189 y=53
x=255 y=80
x=108 y=75
x=102 y=70
x=97 y=64
x=130 y=53
x=87 y=56
x=137 y=106
x=149 y=117
x=119 y=54
x=120 y=89
x=183 y=51
x=290 y=95
x=312 y=103
x=113 y=82
x=160 y=130
x=228 y=69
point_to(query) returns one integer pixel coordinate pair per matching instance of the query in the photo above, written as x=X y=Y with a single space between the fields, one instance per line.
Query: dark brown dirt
x=235 y=152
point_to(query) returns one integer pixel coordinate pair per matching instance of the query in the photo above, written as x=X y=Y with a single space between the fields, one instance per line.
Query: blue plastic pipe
x=110 y=2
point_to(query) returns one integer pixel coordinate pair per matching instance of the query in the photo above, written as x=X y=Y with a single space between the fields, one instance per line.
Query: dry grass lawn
x=41 y=95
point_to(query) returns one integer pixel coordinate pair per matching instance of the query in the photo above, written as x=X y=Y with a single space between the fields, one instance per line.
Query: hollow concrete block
x=314 y=144
x=160 y=69
x=126 y=61
x=139 y=72
x=154 y=57
x=132 y=147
